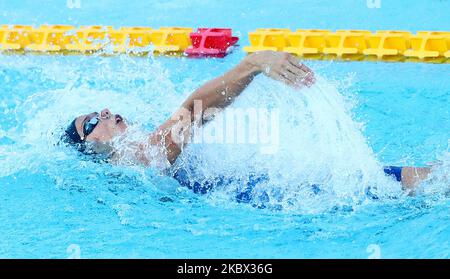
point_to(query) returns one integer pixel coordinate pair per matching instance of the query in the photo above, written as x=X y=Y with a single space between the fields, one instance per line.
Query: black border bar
x=224 y=268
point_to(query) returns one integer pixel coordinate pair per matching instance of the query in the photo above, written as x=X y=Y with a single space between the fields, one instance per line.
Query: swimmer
x=94 y=133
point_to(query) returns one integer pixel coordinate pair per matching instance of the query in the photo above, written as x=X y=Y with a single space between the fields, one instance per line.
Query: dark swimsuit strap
x=394 y=171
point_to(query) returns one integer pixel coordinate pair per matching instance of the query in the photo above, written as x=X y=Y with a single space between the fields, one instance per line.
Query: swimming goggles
x=90 y=125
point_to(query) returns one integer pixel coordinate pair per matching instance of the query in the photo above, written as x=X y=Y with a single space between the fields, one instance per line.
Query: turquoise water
x=54 y=204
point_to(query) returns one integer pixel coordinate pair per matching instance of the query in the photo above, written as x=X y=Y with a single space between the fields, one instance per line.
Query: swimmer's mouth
x=119 y=118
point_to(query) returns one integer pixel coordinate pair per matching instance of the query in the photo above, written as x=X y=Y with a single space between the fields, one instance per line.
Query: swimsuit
x=245 y=193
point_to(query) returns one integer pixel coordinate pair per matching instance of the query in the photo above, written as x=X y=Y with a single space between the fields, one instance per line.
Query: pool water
x=359 y=117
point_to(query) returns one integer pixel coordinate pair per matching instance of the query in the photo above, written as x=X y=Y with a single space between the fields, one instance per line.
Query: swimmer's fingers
x=280 y=73
x=281 y=76
x=301 y=69
x=289 y=78
x=296 y=63
x=284 y=67
x=300 y=76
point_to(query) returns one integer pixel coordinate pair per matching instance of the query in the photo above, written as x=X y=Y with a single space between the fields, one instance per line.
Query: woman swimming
x=96 y=132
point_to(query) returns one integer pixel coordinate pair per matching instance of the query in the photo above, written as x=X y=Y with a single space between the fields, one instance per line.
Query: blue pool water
x=360 y=116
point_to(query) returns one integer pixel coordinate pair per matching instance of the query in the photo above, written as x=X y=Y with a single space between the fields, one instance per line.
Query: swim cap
x=72 y=138
x=72 y=134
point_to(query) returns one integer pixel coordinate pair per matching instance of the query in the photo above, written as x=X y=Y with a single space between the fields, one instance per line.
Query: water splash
x=319 y=143
x=438 y=183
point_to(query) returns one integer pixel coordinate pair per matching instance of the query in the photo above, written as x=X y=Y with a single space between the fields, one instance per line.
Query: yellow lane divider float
x=425 y=46
x=90 y=39
x=353 y=45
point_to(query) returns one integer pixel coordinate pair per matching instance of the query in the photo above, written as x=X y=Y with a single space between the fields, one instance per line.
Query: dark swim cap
x=72 y=138
x=72 y=133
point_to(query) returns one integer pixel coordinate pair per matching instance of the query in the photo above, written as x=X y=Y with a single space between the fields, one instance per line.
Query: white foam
x=319 y=144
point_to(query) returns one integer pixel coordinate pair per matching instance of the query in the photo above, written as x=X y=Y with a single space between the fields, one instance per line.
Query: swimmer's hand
x=283 y=67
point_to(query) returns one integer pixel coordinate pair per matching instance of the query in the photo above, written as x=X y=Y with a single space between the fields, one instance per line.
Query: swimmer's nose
x=105 y=113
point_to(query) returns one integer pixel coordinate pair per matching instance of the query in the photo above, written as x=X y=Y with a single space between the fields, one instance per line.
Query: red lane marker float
x=211 y=42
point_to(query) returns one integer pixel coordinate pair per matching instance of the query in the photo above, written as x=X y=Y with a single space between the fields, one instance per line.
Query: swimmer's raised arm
x=220 y=92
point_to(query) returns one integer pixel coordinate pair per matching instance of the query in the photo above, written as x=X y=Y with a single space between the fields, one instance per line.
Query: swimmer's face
x=109 y=126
